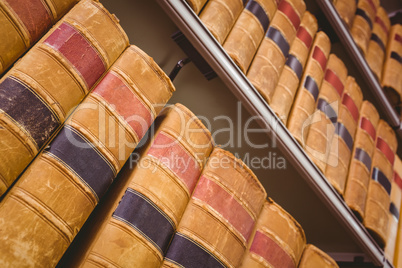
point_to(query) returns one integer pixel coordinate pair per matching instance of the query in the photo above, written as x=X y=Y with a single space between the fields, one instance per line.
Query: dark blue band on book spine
x=78 y=154
x=380 y=177
x=140 y=213
x=362 y=13
x=326 y=108
x=396 y=56
x=363 y=157
x=255 y=8
x=279 y=39
x=394 y=211
x=376 y=39
x=185 y=252
x=311 y=86
x=28 y=109
x=244 y=2
x=343 y=132
x=295 y=65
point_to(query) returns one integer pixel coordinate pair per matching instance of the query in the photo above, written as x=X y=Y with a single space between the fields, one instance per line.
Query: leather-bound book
x=307 y=94
x=379 y=190
x=361 y=159
x=248 y=31
x=363 y=22
x=277 y=240
x=397 y=260
x=196 y=5
x=324 y=120
x=346 y=10
x=219 y=219
x=40 y=91
x=315 y=257
x=289 y=79
x=25 y=22
x=270 y=58
x=144 y=218
x=341 y=150
x=379 y=37
x=219 y=16
x=48 y=205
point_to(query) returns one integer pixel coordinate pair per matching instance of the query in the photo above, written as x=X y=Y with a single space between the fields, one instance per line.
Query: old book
x=315 y=257
x=248 y=31
x=346 y=10
x=397 y=260
x=219 y=16
x=24 y=22
x=219 y=219
x=289 y=79
x=47 y=207
x=360 y=164
x=324 y=120
x=144 y=218
x=379 y=190
x=379 y=37
x=40 y=91
x=341 y=150
x=363 y=22
x=277 y=240
x=196 y=5
x=270 y=58
x=309 y=88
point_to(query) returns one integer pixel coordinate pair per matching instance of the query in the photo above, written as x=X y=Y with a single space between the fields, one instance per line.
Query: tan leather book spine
x=315 y=257
x=363 y=22
x=382 y=172
x=48 y=205
x=341 y=150
x=289 y=79
x=397 y=260
x=39 y=92
x=219 y=16
x=196 y=5
x=245 y=37
x=271 y=56
x=361 y=161
x=306 y=97
x=378 y=41
x=277 y=240
x=346 y=10
x=324 y=119
x=219 y=219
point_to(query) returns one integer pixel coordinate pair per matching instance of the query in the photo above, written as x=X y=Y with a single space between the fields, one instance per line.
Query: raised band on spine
x=366 y=125
x=288 y=10
x=255 y=8
x=295 y=65
x=304 y=36
x=334 y=80
x=311 y=87
x=279 y=40
x=360 y=12
x=376 y=39
x=326 y=108
x=383 y=146
x=319 y=56
x=343 y=132
x=380 y=177
x=363 y=157
x=396 y=56
x=379 y=21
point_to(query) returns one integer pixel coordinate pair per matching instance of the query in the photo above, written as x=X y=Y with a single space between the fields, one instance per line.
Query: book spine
x=397 y=253
x=346 y=10
x=39 y=92
x=270 y=58
x=47 y=207
x=196 y=5
x=218 y=221
x=309 y=88
x=289 y=79
x=277 y=239
x=315 y=257
x=248 y=31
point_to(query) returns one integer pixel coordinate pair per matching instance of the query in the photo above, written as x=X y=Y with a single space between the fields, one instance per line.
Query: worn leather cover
x=289 y=79
x=196 y=5
x=324 y=119
x=346 y=10
x=46 y=208
x=382 y=172
x=277 y=240
x=270 y=58
x=379 y=37
x=341 y=150
x=219 y=219
x=315 y=257
x=245 y=37
x=397 y=260
x=363 y=22
x=24 y=22
x=219 y=16
x=307 y=94
x=361 y=159
x=38 y=93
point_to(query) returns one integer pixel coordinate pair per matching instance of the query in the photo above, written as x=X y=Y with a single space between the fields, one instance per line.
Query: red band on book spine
x=117 y=93
x=304 y=36
x=398 y=38
x=383 y=146
x=267 y=248
x=366 y=125
x=398 y=180
x=176 y=158
x=372 y=6
x=225 y=204
x=382 y=24
x=288 y=10
x=350 y=104
x=334 y=80
x=78 y=51
x=319 y=56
